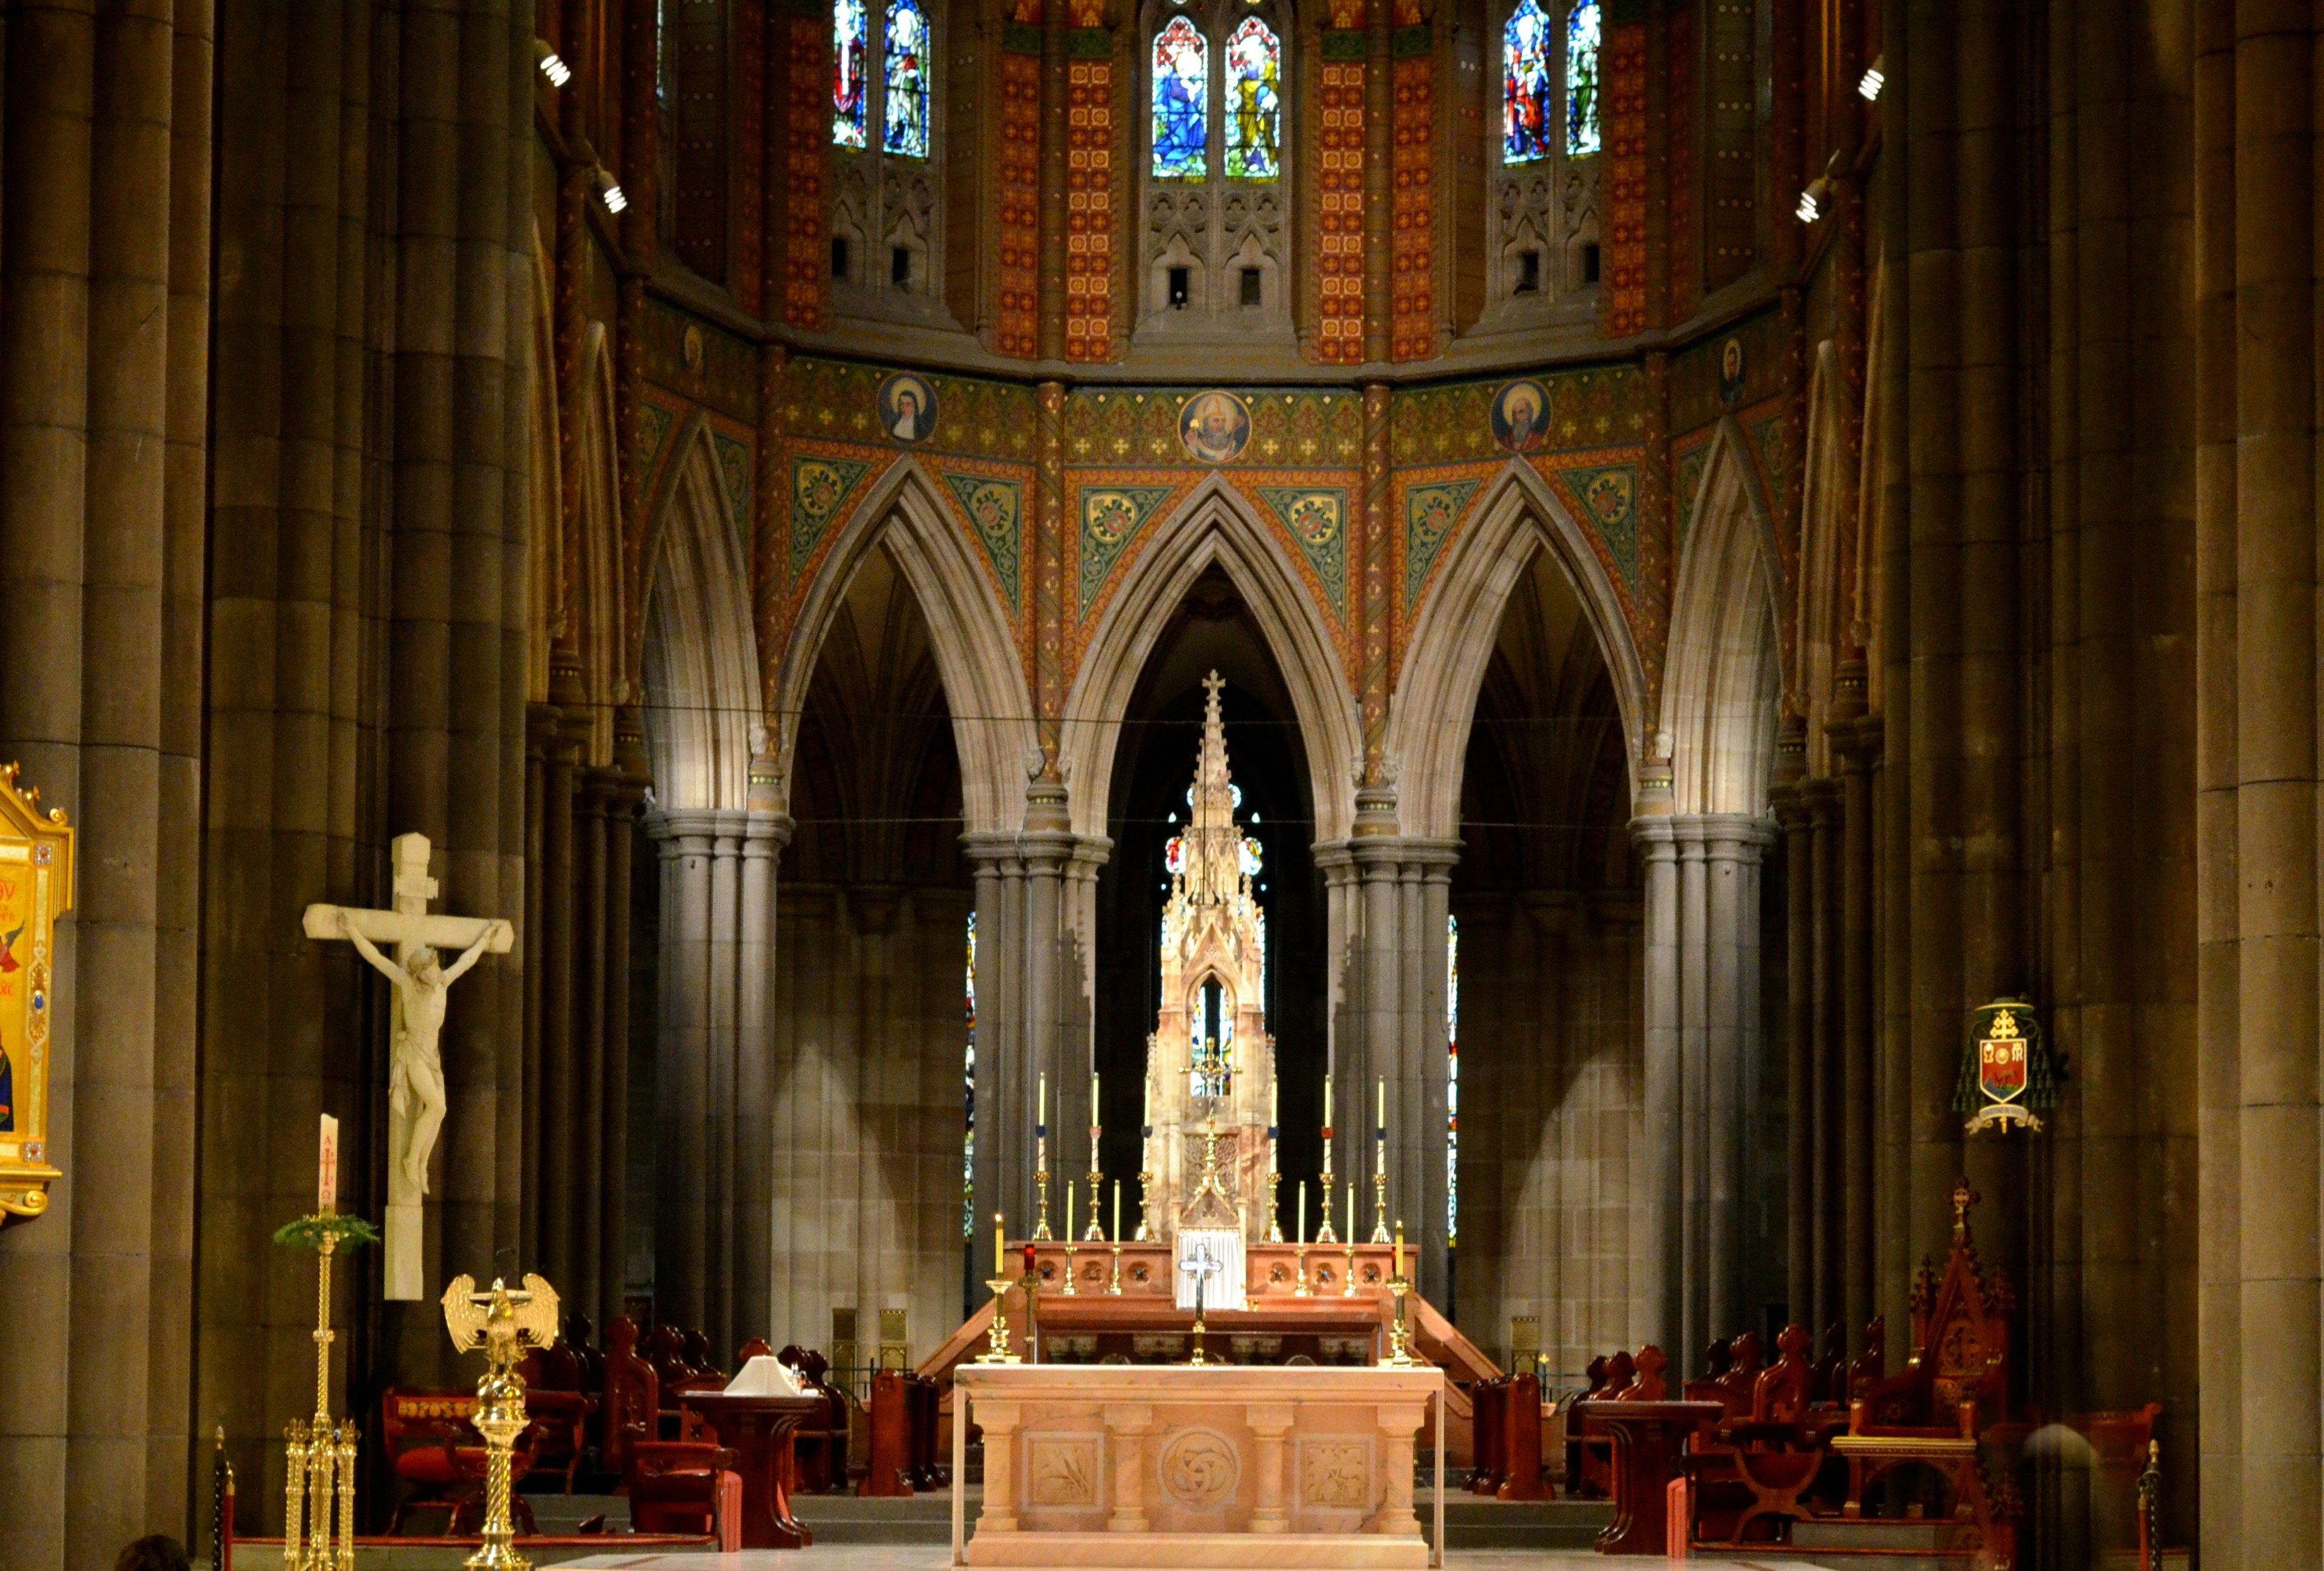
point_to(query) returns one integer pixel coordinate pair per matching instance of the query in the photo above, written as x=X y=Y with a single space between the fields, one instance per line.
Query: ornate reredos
x=1207 y=1064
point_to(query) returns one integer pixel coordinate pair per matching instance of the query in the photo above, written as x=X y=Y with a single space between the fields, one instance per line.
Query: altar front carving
x=1245 y=1467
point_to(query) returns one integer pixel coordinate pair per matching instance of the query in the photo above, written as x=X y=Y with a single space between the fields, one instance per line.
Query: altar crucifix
x=415 y=1082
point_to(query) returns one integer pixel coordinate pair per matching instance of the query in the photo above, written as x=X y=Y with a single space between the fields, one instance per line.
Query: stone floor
x=923 y=1558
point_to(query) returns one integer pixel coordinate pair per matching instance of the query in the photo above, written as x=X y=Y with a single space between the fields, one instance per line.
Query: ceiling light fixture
x=553 y=65
x=608 y=190
x=1874 y=80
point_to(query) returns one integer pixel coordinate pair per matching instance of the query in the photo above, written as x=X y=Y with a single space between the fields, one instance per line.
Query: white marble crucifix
x=415 y=1082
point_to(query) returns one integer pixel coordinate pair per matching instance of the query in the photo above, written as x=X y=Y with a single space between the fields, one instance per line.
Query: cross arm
x=439 y=932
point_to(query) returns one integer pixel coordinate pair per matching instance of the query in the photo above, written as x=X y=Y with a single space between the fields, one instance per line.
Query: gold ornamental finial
x=1963 y=1198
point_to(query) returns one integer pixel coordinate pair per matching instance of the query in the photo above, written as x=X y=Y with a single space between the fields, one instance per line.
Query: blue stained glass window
x=849 y=42
x=905 y=127
x=1182 y=101
x=1581 y=78
x=1529 y=86
x=1254 y=70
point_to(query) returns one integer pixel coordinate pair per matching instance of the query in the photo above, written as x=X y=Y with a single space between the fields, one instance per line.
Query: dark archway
x=1211 y=628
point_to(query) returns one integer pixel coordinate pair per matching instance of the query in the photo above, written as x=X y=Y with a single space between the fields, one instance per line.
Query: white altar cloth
x=1171 y=1467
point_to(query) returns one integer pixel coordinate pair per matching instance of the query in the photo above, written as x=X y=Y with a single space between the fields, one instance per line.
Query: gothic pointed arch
x=699 y=658
x=1723 y=676
x=975 y=647
x=1452 y=642
x=1214 y=526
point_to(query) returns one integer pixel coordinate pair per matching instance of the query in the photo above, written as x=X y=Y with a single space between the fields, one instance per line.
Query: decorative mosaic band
x=1018 y=329
x=1340 y=222
x=1412 y=334
x=807 y=275
x=1625 y=176
x=1088 y=210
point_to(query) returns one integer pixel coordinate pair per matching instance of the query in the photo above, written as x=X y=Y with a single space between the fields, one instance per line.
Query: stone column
x=1269 y=1423
x=1858 y=746
x=765 y=833
x=1000 y=874
x=999 y=1419
x=1127 y=1426
x=1821 y=1096
x=1703 y=1044
x=682 y=1177
x=104 y=333
x=1800 y=1143
x=623 y=786
x=1659 y=1214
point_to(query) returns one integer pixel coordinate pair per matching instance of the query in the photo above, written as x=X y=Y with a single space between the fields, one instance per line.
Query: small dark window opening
x=1528 y=272
x=839 y=256
x=1181 y=288
x=1589 y=263
x=1251 y=287
x=900 y=267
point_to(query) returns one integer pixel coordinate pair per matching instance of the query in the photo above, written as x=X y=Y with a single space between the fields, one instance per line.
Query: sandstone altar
x=1173 y=1466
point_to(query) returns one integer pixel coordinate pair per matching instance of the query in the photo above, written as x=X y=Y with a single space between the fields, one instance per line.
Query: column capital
x=675 y=824
x=1858 y=740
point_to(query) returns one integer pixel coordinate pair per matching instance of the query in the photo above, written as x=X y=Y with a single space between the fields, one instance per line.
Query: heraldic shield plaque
x=36 y=888
x=2006 y=1077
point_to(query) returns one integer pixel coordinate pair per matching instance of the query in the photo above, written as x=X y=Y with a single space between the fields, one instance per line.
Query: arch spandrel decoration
x=978 y=650
x=1450 y=641
x=1211 y=523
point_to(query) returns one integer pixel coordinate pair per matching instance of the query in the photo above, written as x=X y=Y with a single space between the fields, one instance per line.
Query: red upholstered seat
x=434 y=1448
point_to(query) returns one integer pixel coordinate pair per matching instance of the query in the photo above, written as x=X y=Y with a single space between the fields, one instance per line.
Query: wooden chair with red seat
x=559 y=1409
x=674 y=1485
x=434 y=1446
x=1955 y=1384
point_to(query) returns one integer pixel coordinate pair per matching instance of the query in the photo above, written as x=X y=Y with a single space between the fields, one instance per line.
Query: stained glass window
x=1529 y=86
x=1451 y=1080
x=905 y=122
x=849 y=43
x=1182 y=101
x=1581 y=78
x=968 y=1141
x=1254 y=70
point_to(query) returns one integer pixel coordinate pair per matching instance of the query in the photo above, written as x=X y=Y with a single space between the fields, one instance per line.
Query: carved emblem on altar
x=1200 y=1470
x=36 y=888
x=1062 y=1470
x=1335 y=1475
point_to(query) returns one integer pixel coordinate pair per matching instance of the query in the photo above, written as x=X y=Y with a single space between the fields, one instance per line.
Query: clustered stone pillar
x=1704 y=1046
x=712 y=1186
x=105 y=201
x=1033 y=894
x=582 y=819
x=1388 y=898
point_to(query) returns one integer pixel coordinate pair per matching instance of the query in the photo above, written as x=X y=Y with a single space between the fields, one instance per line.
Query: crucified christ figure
x=415 y=1076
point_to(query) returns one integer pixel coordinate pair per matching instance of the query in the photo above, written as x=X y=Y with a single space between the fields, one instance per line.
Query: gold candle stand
x=1041 y=1190
x=1274 y=1221
x=1145 y=1197
x=1399 y=1338
x=997 y=1336
x=1092 y=1234
x=1380 y=1197
x=1114 y=1288
x=1303 y=1290
x=502 y=1325
x=1348 y=1283
x=319 y=1458
x=1325 y=1236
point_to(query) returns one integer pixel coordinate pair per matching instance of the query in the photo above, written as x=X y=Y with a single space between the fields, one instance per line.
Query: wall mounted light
x=551 y=65
x=609 y=190
x=1811 y=206
x=1876 y=77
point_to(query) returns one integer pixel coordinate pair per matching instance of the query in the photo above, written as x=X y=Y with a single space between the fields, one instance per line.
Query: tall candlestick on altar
x=1303 y=1213
x=1327 y=1103
x=1097 y=1133
x=1041 y=1106
x=1399 y=1247
x=1117 y=1211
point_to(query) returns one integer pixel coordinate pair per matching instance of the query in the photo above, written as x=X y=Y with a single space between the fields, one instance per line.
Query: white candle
x=1399 y=1247
x=1069 y=1209
x=1274 y=1104
x=326 y=1188
x=1094 y=1121
x=1303 y=1213
x=1041 y=1108
x=1148 y=1120
x=1327 y=1102
x=1117 y=1211
x=1380 y=1122
x=1000 y=1244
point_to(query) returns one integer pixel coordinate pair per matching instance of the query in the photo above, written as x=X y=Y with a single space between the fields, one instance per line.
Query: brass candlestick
x=1041 y=1188
x=1070 y=1289
x=1200 y=1358
x=1325 y=1236
x=1348 y=1283
x=504 y=1326
x=320 y=1456
x=1145 y=1199
x=1380 y=1197
x=1303 y=1290
x=1114 y=1288
x=1274 y=1221
x=1092 y=1234
x=1399 y=1339
x=997 y=1336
